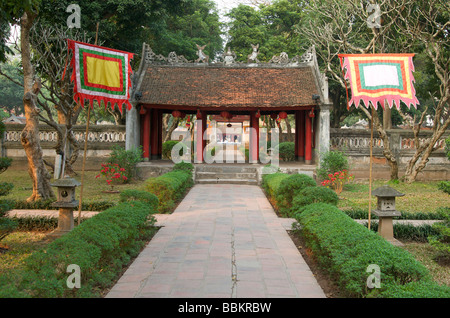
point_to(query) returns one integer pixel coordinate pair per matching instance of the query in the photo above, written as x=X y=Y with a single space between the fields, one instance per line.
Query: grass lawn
x=93 y=188
x=419 y=196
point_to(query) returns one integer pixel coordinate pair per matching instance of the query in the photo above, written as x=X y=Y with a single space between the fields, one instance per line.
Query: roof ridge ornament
x=202 y=57
x=252 y=57
x=309 y=55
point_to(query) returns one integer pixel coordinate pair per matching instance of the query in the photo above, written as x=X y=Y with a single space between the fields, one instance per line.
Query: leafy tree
x=338 y=26
x=197 y=24
x=270 y=25
x=11 y=89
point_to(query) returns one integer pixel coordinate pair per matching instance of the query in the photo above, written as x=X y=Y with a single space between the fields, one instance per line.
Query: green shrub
x=100 y=246
x=6 y=224
x=4 y=163
x=169 y=187
x=289 y=187
x=420 y=289
x=137 y=195
x=47 y=205
x=287 y=151
x=441 y=240
x=345 y=249
x=167 y=149
x=312 y=195
x=444 y=186
x=185 y=166
x=331 y=162
x=127 y=159
x=271 y=182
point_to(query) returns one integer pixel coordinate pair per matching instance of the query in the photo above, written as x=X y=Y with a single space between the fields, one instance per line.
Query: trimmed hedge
x=131 y=195
x=287 y=151
x=310 y=195
x=271 y=183
x=170 y=186
x=281 y=188
x=345 y=249
x=100 y=246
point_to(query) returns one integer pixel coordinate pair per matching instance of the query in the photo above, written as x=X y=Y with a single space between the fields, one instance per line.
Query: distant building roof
x=15 y=120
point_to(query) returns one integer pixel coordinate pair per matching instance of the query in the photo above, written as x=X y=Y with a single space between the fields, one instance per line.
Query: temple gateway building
x=229 y=90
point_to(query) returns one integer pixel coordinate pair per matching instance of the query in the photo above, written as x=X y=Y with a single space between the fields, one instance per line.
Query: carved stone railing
x=100 y=137
x=356 y=142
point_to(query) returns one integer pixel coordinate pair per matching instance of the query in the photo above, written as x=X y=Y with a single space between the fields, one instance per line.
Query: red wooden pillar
x=200 y=130
x=160 y=115
x=204 y=128
x=308 y=138
x=300 y=134
x=154 y=135
x=146 y=134
x=254 y=138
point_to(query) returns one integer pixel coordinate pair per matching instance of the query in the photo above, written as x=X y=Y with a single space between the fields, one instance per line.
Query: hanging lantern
x=311 y=114
x=258 y=114
x=225 y=114
x=142 y=111
x=282 y=115
x=176 y=114
x=273 y=116
x=188 y=122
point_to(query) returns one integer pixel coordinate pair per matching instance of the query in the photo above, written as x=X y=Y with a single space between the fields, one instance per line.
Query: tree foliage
x=271 y=26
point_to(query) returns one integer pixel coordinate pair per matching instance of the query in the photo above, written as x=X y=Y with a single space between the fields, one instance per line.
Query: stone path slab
x=222 y=241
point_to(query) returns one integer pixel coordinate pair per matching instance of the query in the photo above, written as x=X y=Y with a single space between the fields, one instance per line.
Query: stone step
x=223 y=175
x=227 y=181
x=225 y=169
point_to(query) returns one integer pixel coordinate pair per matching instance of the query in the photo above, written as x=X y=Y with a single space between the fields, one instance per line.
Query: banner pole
x=370 y=168
x=85 y=149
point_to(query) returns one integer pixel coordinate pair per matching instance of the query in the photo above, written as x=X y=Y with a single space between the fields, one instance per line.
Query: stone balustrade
x=354 y=142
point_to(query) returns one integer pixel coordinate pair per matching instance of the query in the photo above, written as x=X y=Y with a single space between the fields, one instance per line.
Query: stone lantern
x=386 y=211
x=66 y=203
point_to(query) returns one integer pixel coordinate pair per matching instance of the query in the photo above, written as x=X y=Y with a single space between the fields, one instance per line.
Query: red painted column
x=204 y=128
x=199 y=139
x=146 y=135
x=160 y=115
x=308 y=138
x=254 y=138
x=154 y=135
x=301 y=135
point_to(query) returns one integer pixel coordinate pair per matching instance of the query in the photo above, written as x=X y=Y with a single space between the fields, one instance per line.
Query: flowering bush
x=337 y=180
x=113 y=174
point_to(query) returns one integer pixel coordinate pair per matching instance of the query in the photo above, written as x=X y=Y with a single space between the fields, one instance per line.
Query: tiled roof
x=215 y=86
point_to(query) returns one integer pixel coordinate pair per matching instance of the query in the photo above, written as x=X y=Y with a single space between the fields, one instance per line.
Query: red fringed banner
x=100 y=74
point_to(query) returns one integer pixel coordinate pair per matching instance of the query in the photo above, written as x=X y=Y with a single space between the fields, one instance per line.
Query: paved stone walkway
x=222 y=241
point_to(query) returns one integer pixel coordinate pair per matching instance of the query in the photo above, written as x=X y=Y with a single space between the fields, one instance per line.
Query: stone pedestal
x=66 y=204
x=386 y=212
x=65 y=223
x=385 y=225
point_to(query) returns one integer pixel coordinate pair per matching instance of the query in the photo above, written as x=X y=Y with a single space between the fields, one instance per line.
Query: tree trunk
x=30 y=134
x=392 y=161
x=289 y=130
x=172 y=127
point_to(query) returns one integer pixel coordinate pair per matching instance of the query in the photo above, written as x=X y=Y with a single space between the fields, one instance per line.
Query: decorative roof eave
x=308 y=59
x=231 y=108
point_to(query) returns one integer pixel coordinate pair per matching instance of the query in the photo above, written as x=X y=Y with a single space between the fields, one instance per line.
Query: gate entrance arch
x=224 y=90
